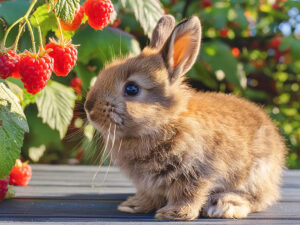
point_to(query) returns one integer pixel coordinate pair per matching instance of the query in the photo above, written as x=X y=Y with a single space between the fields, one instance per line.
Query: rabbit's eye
x=131 y=89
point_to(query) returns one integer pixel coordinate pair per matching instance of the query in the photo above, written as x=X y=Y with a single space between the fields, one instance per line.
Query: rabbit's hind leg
x=227 y=205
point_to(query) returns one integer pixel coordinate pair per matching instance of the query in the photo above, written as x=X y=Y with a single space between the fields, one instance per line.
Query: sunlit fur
x=185 y=152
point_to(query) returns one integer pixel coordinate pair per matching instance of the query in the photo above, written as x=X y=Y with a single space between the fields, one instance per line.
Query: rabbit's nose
x=88 y=105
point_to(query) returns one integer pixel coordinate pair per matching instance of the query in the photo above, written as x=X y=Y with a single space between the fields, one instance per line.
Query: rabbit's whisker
x=108 y=156
x=105 y=148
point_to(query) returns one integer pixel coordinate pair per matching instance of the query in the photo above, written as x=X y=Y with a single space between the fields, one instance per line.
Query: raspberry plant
x=35 y=80
x=34 y=69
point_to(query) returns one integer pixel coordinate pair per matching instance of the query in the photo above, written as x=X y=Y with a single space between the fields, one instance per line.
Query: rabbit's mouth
x=102 y=122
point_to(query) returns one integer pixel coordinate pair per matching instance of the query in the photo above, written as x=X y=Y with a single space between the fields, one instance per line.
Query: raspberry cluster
x=20 y=176
x=99 y=13
x=35 y=69
x=59 y=57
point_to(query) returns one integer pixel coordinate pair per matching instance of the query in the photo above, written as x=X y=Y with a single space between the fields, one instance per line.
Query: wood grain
x=68 y=195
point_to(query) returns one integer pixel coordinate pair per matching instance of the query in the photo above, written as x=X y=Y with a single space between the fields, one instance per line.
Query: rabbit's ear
x=181 y=49
x=162 y=31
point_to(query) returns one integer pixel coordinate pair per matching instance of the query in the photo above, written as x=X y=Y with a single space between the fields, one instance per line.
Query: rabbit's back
x=234 y=125
x=243 y=143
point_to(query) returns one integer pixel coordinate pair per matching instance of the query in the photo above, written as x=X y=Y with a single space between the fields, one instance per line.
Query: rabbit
x=188 y=153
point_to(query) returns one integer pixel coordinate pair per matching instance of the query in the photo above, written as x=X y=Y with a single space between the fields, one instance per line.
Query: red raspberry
x=98 y=12
x=65 y=57
x=20 y=174
x=3 y=189
x=235 y=52
x=76 y=84
x=223 y=32
x=9 y=64
x=206 y=3
x=35 y=71
x=275 y=6
x=276 y=42
x=79 y=14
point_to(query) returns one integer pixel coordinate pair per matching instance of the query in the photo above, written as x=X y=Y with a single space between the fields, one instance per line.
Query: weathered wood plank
x=138 y=221
x=87 y=178
x=63 y=195
x=77 y=192
x=107 y=209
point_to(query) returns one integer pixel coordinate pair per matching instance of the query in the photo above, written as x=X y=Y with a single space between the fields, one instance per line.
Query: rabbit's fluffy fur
x=186 y=152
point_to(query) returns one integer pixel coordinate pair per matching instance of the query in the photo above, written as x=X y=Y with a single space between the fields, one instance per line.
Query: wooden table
x=64 y=195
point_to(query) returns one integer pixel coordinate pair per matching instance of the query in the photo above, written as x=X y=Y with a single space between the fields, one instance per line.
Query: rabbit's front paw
x=136 y=204
x=228 y=205
x=170 y=212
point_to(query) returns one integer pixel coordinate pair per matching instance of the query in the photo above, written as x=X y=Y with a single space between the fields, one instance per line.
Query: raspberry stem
x=40 y=33
x=8 y=30
x=30 y=8
x=60 y=30
x=31 y=34
x=25 y=17
x=21 y=28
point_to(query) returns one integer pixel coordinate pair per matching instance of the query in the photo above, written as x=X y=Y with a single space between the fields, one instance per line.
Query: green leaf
x=218 y=55
x=40 y=133
x=46 y=19
x=104 y=45
x=199 y=73
x=241 y=18
x=15 y=89
x=293 y=44
x=65 y=9
x=13 y=125
x=219 y=16
x=146 y=12
x=28 y=98
x=99 y=47
x=47 y=22
x=55 y=106
x=84 y=74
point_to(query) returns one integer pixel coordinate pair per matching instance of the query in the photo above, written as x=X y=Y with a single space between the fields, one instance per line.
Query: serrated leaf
x=15 y=89
x=13 y=125
x=40 y=133
x=65 y=9
x=55 y=106
x=146 y=12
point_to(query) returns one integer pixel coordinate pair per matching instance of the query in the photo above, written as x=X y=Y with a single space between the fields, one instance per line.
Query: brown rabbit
x=186 y=152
